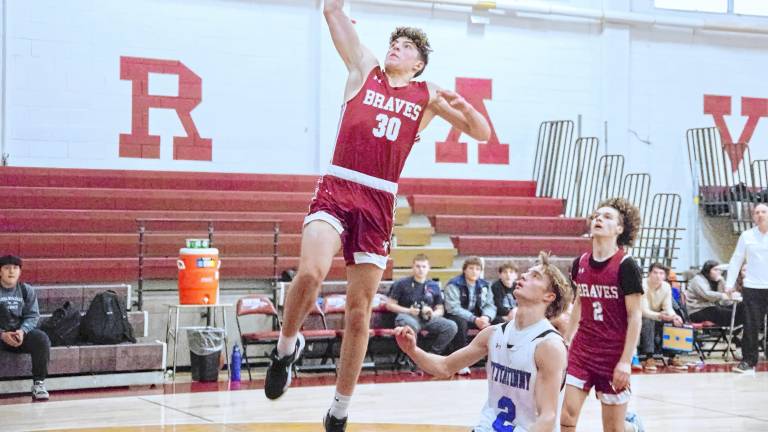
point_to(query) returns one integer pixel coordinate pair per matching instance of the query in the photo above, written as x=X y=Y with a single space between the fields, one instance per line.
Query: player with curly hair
x=605 y=325
x=354 y=202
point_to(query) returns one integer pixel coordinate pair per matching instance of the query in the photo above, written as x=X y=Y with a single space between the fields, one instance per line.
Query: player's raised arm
x=443 y=366
x=355 y=56
x=452 y=107
x=573 y=323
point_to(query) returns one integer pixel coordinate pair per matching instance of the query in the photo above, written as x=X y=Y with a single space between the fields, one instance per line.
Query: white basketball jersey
x=512 y=374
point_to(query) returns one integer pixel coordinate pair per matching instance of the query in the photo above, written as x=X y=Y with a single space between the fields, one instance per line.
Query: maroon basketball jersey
x=603 y=325
x=379 y=125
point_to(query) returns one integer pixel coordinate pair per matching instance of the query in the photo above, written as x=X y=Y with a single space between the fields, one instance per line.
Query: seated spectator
x=656 y=305
x=418 y=303
x=468 y=302
x=19 y=315
x=706 y=299
x=502 y=293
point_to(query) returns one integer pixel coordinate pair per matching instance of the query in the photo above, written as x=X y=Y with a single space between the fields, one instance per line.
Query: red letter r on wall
x=139 y=143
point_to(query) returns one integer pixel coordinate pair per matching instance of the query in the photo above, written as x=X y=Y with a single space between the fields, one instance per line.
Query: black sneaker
x=332 y=424
x=744 y=368
x=279 y=371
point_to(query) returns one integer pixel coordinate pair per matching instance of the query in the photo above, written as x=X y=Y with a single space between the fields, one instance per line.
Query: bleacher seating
x=88 y=366
x=80 y=225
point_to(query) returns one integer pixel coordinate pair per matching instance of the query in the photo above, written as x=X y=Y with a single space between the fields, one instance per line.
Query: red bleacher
x=484 y=245
x=124 y=221
x=157 y=180
x=432 y=205
x=508 y=225
x=15 y=197
x=78 y=225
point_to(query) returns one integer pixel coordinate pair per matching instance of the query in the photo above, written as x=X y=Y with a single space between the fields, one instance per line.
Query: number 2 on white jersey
x=597 y=311
x=388 y=126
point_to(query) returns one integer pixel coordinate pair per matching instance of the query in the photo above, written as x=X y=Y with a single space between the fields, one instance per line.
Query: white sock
x=340 y=405
x=286 y=345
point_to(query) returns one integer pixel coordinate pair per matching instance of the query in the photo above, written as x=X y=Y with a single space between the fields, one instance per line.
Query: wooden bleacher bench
x=88 y=366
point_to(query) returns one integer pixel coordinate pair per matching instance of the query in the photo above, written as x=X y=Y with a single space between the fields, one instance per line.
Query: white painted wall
x=272 y=82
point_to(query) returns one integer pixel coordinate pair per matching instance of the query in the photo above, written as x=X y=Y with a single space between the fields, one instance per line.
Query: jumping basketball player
x=354 y=201
x=607 y=316
x=526 y=356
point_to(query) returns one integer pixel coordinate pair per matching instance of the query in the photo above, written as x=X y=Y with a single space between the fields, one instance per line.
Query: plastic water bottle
x=237 y=360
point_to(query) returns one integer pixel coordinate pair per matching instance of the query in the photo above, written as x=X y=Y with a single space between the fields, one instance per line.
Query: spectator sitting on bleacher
x=418 y=303
x=468 y=303
x=19 y=315
x=705 y=297
x=502 y=293
x=656 y=304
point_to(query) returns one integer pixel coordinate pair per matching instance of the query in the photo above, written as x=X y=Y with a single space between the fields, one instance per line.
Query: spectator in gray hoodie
x=19 y=314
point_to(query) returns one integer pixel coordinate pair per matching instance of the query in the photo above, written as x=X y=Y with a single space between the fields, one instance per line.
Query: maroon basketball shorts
x=361 y=213
x=586 y=373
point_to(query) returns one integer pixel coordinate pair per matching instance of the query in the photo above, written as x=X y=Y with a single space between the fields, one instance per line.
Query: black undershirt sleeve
x=630 y=277
x=574 y=271
x=574 y=268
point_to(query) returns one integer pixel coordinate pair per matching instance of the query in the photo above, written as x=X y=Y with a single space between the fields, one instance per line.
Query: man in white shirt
x=752 y=248
x=656 y=305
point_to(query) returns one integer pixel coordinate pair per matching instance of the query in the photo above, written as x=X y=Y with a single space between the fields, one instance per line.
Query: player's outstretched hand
x=621 y=374
x=455 y=100
x=406 y=338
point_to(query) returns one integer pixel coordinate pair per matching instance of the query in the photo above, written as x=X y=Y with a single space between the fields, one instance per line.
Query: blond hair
x=559 y=284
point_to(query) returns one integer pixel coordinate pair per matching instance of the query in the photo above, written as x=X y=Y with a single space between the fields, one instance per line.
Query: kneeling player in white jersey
x=527 y=358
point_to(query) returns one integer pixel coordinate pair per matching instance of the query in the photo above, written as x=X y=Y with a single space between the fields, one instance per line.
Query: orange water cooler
x=198 y=276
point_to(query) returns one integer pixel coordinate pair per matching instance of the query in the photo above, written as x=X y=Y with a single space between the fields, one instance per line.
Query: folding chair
x=714 y=334
x=707 y=332
x=315 y=330
x=255 y=304
x=334 y=306
x=708 y=336
x=382 y=320
x=382 y=328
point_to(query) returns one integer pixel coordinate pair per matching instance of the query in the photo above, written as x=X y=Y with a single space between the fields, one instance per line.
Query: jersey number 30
x=388 y=126
x=505 y=418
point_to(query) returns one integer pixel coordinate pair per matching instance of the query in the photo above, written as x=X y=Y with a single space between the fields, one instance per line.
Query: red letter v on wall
x=720 y=106
x=474 y=90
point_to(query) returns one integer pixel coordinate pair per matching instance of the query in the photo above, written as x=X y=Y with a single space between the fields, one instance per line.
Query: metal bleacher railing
x=148 y=226
x=730 y=183
x=575 y=172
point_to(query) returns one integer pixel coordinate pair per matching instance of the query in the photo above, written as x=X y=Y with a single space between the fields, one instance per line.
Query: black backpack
x=63 y=327
x=106 y=321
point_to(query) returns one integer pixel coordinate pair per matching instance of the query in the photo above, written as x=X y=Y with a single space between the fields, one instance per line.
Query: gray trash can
x=205 y=346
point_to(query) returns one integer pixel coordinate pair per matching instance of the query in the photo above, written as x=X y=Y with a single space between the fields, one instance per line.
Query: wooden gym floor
x=701 y=402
